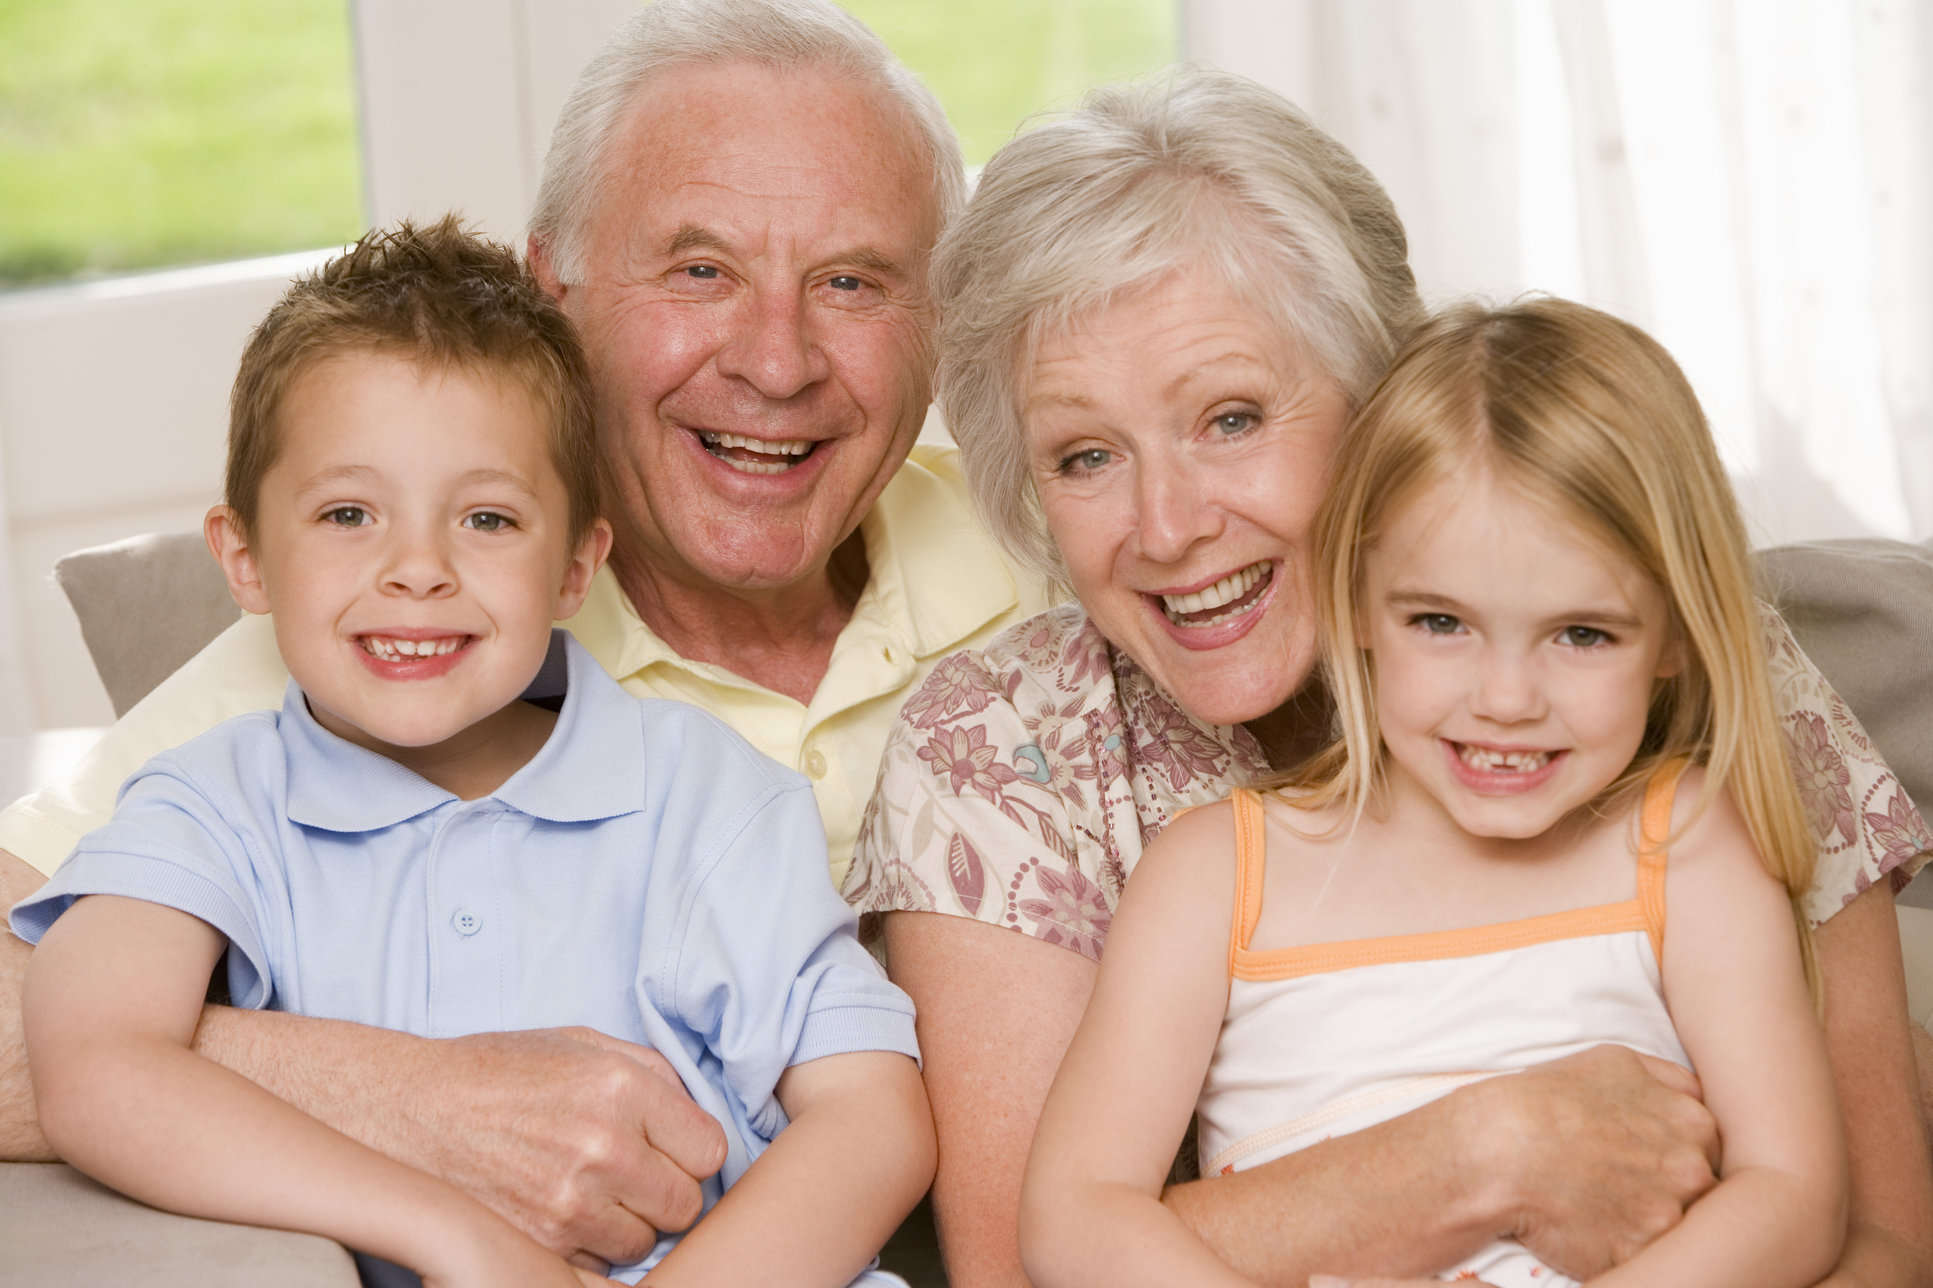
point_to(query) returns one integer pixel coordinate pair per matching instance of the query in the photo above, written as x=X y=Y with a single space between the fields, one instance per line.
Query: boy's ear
x=592 y=549
x=230 y=546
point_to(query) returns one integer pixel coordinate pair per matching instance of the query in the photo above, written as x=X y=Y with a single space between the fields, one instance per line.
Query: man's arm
x=1596 y=1154
x=586 y=1143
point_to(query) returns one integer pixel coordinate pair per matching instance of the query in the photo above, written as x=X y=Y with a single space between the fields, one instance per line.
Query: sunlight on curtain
x=1748 y=179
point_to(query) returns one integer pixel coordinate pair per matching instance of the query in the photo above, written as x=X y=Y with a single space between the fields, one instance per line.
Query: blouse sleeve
x=1865 y=825
x=982 y=803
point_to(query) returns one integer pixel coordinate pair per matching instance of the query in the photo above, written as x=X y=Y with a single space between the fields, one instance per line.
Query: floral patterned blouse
x=1023 y=781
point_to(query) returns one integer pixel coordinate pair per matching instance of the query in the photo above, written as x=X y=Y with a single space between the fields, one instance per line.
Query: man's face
x=755 y=312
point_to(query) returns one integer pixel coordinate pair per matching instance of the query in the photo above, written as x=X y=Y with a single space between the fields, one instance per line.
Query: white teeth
x=719 y=443
x=1516 y=762
x=395 y=650
x=1226 y=591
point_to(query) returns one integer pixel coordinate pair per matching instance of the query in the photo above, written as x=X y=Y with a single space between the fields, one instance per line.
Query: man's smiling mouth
x=756 y=455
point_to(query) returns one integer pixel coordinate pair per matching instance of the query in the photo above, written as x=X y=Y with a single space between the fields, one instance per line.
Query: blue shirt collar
x=586 y=770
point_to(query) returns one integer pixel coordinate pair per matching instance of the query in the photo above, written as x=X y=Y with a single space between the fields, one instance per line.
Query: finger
x=1675 y=1076
x=610 y=1233
x=678 y=1128
x=582 y=1260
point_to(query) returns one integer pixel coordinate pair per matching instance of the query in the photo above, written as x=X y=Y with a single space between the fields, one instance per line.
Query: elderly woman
x=1160 y=311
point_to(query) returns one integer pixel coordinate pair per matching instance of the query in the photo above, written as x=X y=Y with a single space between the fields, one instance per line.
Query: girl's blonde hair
x=1588 y=414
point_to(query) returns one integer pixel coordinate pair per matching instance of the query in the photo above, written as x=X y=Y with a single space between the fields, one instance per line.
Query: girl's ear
x=230 y=546
x=1672 y=660
x=592 y=549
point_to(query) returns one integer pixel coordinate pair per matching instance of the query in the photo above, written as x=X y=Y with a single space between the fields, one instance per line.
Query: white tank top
x=1326 y=1039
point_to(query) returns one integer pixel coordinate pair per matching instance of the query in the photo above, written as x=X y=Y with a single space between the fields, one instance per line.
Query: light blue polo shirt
x=647 y=874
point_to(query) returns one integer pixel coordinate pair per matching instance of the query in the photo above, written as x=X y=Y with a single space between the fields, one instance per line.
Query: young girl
x=1559 y=815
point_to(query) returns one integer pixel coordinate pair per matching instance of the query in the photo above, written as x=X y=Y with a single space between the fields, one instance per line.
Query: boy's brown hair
x=440 y=296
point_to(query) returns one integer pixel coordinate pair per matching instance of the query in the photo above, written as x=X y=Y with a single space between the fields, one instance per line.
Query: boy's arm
x=111 y=1004
x=820 y=1202
x=1090 y=1207
x=566 y=1133
x=1738 y=1000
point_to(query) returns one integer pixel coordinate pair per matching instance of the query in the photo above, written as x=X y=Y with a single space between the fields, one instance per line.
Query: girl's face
x=1181 y=447
x=1514 y=657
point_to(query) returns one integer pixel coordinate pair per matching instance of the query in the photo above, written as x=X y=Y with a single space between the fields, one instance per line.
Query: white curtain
x=1748 y=179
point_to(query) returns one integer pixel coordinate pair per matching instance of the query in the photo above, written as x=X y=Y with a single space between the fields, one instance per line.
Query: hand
x=492 y=1255
x=588 y=1144
x=1602 y=1152
x=1330 y=1281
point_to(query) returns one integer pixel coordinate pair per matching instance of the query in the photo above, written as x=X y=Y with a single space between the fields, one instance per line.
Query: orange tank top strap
x=1251 y=864
x=1654 y=831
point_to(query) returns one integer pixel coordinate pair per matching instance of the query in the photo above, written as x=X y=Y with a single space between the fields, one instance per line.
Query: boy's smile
x=1514 y=657
x=413 y=545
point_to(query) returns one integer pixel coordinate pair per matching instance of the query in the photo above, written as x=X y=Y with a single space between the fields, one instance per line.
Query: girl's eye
x=347 y=516
x=1583 y=636
x=488 y=521
x=1086 y=462
x=1436 y=623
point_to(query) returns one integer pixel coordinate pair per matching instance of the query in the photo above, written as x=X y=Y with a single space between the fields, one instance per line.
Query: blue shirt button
x=466 y=922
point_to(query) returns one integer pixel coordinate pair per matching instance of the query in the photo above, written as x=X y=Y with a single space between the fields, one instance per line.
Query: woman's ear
x=592 y=549
x=229 y=543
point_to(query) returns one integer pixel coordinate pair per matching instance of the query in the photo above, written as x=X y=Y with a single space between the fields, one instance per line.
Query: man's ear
x=230 y=546
x=592 y=549
x=538 y=256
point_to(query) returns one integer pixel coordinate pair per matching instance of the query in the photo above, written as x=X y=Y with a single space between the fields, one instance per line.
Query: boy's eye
x=1436 y=623
x=489 y=521
x=1583 y=636
x=347 y=516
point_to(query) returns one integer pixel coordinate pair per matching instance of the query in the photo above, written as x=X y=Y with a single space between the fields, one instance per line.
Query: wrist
x=1481 y=1127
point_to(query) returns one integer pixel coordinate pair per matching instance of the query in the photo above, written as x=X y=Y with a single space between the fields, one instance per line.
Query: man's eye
x=704 y=272
x=347 y=516
x=1437 y=623
x=489 y=521
x=844 y=282
x=1583 y=636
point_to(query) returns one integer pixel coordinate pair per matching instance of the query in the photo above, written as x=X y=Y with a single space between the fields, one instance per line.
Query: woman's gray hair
x=784 y=35
x=1197 y=166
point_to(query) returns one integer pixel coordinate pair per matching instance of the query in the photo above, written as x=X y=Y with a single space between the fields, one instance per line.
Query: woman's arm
x=112 y=1000
x=1587 y=1159
x=818 y=1204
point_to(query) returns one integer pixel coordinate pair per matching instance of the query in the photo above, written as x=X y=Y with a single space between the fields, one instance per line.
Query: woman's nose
x=1173 y=509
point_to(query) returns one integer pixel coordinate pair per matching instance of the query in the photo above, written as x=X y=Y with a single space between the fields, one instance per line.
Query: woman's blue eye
x=485 y=521
x=1081 y=462
x=1583 y=636
x=347 y=516
x=1234 y=422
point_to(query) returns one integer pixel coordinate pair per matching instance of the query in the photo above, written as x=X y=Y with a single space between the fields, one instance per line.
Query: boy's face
x=412 y=540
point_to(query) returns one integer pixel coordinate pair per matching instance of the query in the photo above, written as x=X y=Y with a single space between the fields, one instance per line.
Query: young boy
x=458 y=823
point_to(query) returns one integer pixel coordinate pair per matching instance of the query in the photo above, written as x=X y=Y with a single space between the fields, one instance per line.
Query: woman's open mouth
x=1227 y=599
x=756 y=455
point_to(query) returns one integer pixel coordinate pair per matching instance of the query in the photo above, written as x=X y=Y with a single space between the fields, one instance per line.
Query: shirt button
x=815 y=763
x=466 y=922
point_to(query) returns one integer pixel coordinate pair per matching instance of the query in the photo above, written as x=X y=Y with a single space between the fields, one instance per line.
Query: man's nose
x=772 y=346
x=1173 y=508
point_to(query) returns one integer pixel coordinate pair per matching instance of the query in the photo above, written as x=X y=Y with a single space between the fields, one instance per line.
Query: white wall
x=113 y=395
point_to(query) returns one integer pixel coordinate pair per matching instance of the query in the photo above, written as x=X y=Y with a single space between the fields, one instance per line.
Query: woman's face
x=1181 y=446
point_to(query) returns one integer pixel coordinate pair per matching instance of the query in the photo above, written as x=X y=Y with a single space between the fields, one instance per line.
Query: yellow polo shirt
x=937 y=584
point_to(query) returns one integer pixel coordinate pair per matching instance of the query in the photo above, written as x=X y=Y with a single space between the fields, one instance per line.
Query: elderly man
x=737 y=209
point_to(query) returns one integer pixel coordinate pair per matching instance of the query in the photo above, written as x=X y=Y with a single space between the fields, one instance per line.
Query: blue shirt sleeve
x=167 y=843
x=769 y=966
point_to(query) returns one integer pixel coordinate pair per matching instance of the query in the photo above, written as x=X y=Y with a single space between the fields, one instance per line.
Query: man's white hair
x=780 y=34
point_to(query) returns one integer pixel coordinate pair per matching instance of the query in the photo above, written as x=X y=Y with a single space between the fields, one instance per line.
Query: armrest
x=59 y=1229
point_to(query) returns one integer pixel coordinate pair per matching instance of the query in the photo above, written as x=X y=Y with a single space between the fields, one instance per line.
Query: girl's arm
x=1738 y=1000
x=817 y=1205
x=112 y=998
x=1090 y=1208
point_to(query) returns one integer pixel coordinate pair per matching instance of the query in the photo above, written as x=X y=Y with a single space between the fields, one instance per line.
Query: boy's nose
x=420 y=569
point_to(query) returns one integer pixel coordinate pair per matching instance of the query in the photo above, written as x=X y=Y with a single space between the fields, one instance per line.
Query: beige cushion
x=58 y=1228
x=145 y=605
